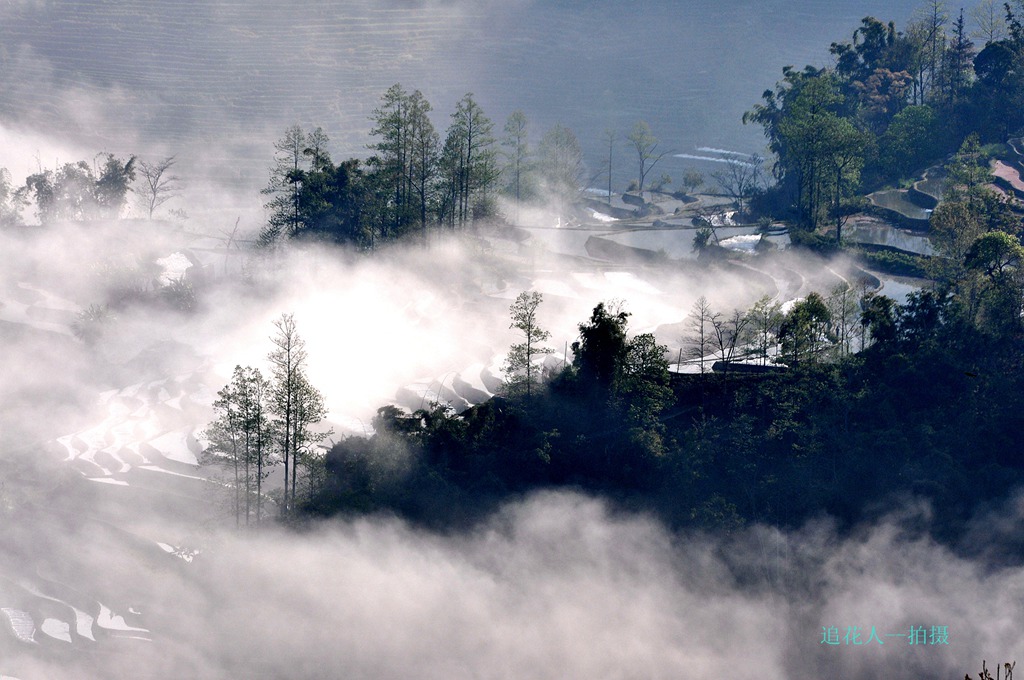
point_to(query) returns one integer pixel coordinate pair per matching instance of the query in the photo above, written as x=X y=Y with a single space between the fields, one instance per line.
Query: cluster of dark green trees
x=895 y=102
x=976 y=233
x=262 y=422
x=414 y=180
x=878 y=402
x=874 y=402
x=598 y=419
x=930 y=406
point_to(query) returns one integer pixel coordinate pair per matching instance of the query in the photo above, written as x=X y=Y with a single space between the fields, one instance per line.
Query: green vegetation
x=845 y=402
x=414 y=182
x=879 y=401
x=895 y=103
x=645 y=145
x=890 y=261
x=241 y=438
x=261 y=422
x=520 y=366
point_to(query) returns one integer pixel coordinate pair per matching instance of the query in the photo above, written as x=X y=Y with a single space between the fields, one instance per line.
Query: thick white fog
x=551 y=587
x=120 y=558
x=118 y=553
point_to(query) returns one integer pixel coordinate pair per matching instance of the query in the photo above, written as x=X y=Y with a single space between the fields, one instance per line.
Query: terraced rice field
x=933 y=183
x=899 y=201
x=1008 y=174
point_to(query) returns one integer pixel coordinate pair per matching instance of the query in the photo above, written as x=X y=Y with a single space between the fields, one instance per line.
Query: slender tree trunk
x=839 y=217
x=259 y=479
x=611 y=142
x=295 y=457
x=238 y=509
x=288 y=418
x=248 y=478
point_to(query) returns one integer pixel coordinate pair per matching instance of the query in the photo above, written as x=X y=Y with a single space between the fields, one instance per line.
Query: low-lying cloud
x=554 y=586
x=557 y=585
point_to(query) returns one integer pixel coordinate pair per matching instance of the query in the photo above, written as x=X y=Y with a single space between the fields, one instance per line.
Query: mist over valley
x=503 y=425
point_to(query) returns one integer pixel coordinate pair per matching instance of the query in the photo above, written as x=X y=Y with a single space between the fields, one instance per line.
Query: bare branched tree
x=989 y=21
x=646 y=146
x=609 y=136
x=701 y=326
x=158 y=185
x=740 y=179
x=727 y=334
